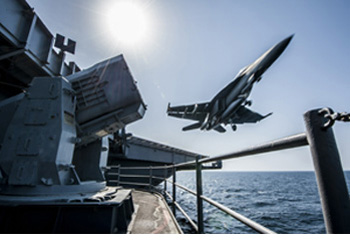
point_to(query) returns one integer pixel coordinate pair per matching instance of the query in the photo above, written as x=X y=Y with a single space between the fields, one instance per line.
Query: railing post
x=329 y=174
x=199 y=196
x=165 y=182
x=118 y=178
x=150 y=177
x=174 y=190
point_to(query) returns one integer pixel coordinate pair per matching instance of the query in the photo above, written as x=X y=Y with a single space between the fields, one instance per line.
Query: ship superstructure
x=56 y=131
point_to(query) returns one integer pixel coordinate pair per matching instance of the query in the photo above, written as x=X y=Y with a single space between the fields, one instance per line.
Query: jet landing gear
x=248 y=103
x=234 y=127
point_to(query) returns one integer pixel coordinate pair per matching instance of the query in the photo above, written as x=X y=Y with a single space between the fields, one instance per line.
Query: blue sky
x=195 y=48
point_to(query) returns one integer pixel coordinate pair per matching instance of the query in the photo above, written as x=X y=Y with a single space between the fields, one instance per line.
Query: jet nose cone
x=274 y=52
x=284 y=43
x=288 y=39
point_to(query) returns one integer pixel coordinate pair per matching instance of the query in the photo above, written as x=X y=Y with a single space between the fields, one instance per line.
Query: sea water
x=285 y=202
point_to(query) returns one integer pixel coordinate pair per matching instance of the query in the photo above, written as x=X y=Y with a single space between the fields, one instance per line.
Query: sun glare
x=128 y=22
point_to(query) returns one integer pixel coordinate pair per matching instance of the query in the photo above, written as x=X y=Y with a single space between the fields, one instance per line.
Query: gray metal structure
x=55 y=125
x=132 y=155
x=26 y=49
x=147 y=150
x=49 y=141
x=53 y=132
x=54 y=147
x=228 y=106
x=107 y=99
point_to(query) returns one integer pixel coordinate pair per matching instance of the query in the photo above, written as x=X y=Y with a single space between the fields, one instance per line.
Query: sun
x=127 y=22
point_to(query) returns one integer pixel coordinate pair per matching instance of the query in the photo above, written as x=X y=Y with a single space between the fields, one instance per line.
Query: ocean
x=285 y=202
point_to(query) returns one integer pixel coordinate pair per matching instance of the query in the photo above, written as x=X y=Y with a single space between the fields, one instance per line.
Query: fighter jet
x=228 y=107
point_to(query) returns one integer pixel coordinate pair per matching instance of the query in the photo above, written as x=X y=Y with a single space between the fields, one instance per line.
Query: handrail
x=253 y=225
x=138 y=167
x=182 y=187
x=329 y=173
x=195 y=227
x=293 y=141
x=250 y=223
x=128 y=175
x=130 y=183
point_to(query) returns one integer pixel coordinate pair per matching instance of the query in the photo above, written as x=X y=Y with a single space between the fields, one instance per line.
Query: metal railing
x=329 y=174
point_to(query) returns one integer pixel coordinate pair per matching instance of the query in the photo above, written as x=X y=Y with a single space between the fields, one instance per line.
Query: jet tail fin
x=192 y=126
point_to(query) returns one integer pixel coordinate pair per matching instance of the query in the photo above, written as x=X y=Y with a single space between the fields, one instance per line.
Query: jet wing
x=193 y=112
x=245 y=115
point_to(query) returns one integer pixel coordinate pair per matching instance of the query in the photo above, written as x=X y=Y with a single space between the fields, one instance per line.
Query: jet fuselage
x=235 y=94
